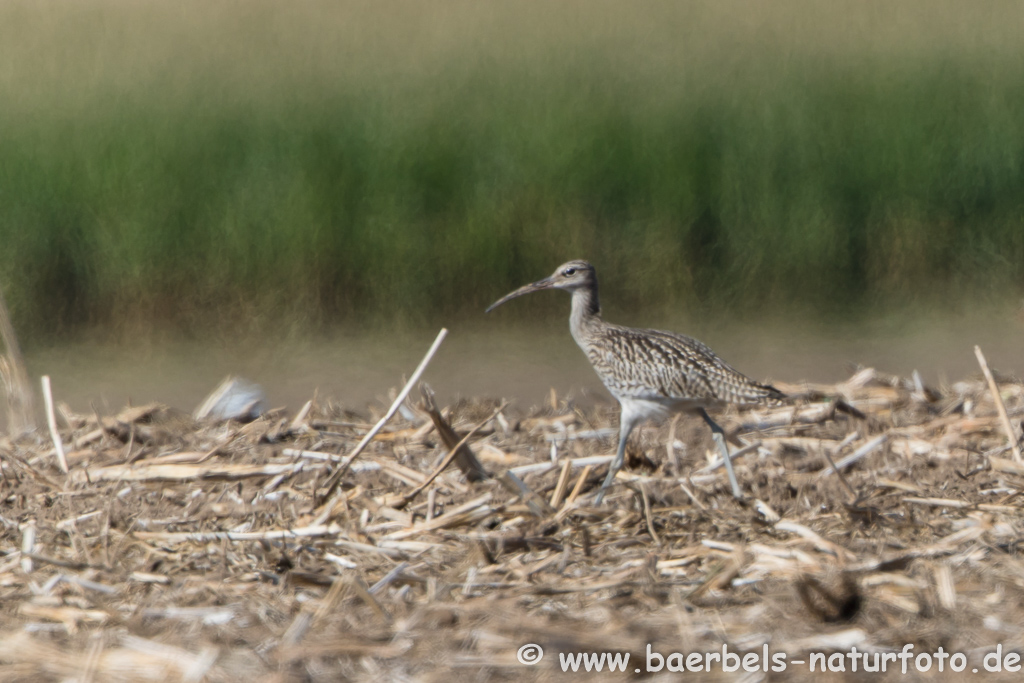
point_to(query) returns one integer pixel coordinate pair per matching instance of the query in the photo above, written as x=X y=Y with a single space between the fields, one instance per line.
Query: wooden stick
x=335 y=478
x=51 y=420
x=1010 y=434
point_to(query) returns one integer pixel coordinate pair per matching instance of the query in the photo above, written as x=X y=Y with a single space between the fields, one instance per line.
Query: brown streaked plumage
x=651 y=373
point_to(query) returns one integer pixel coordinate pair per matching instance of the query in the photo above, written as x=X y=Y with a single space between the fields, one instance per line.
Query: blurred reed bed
x=189 y=165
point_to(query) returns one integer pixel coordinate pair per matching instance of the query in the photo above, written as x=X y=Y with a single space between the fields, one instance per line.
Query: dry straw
x=199 y=551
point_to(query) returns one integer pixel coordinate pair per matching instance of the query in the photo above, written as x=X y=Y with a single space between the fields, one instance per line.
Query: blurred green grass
x=276 y=166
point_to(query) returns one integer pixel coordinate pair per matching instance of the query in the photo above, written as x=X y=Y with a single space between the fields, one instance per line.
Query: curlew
x=651 y=373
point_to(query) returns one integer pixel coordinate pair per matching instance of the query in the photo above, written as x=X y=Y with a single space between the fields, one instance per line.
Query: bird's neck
x=586 y=310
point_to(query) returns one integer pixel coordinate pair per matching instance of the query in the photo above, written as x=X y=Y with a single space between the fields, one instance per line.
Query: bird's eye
x=569 y=272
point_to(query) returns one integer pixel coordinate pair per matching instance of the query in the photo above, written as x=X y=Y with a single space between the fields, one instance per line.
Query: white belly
x=639 y=409
x=658 y=409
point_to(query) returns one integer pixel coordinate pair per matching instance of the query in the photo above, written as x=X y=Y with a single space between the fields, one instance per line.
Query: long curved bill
x=546 y=283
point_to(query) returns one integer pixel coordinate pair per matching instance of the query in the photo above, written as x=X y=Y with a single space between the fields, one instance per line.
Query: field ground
x=177 y=550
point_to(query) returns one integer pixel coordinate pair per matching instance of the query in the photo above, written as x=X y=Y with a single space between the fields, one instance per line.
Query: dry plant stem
x=937 y=502
x=335 y=479
x=464 y=457
x=449 y=457
x=579 y=485
x=861 y=452
x=331 y=600
x=647 y=515
x=670 y=445
x=29 y=470
x=461 y=587
x=538 y=506
x=473 y=511
x=690 y=495
x=28 y=545
x=389 y=578
x=300 y=417
x=540 y=467
x=1004 y=465
x=944 y=586
x=92 y=658
x=359 y=586
x=187 y=472
x=21 y=417
x=65 y=564
x=717 y=464
x=51 y=420
x=311 y=531
x=842 y=479
x=567 y=508
x=1003 y=417
x=563 y=484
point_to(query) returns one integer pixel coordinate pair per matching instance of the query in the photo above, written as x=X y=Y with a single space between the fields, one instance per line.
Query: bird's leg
x=626 y=423
x=613 y=469
x=718 y=434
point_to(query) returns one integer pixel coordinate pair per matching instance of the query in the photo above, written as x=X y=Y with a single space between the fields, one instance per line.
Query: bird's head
x=570 y=276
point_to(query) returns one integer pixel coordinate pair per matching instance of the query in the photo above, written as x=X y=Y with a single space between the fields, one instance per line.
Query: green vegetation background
x=182 y=165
